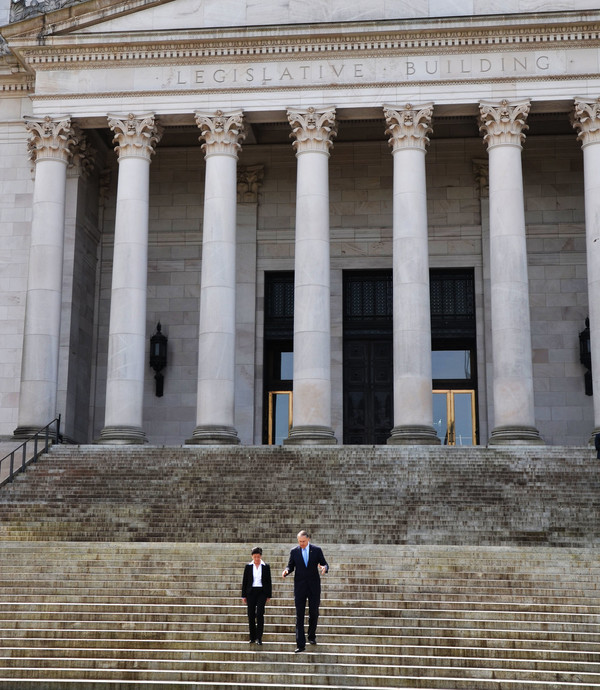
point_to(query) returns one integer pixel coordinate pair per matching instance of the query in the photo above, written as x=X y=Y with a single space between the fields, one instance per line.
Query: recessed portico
x=365 y=85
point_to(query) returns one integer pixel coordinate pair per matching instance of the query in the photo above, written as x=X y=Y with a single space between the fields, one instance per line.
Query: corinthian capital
x=409 y=126
x=50 y=139
x=503 y=122
x=135 y=137
x=222 y=132
x=312 y=129
x=586 y=119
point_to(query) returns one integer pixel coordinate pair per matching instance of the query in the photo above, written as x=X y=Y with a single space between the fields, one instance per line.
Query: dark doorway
x=368 y=391
x=278 y=356
x=368 y=356
x=368 y=363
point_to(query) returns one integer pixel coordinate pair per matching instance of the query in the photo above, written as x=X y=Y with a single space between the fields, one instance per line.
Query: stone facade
x=369 y=73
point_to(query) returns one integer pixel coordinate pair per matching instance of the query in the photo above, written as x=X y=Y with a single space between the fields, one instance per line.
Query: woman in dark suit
x=256 y=591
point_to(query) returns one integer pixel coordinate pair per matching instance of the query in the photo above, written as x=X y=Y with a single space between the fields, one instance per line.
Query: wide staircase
x=350 y=495
x=473 y=569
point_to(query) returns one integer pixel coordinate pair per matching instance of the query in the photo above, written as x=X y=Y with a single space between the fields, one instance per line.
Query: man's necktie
x=305 y=555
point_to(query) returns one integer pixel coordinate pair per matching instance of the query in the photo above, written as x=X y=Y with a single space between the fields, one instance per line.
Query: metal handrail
x=35 y=439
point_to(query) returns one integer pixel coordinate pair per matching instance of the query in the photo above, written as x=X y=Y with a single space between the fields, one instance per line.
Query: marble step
x=308 y=674
x=343 y=653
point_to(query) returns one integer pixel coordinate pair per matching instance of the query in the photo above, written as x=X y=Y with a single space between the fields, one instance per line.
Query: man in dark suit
x=256 y=591
x=309 y=563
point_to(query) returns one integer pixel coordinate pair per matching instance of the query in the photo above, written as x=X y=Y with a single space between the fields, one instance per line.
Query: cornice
x=49 y=48
x=75 y=16
x=182 y=49
x=12 y=78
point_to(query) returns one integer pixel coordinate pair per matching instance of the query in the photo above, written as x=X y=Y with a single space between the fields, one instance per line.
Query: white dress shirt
x=256 y=574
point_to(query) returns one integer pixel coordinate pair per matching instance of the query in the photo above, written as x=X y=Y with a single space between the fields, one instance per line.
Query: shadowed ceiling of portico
x=364 y=130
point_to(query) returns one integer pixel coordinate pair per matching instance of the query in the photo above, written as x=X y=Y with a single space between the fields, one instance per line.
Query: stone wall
x=16 y=190
x=361 y=219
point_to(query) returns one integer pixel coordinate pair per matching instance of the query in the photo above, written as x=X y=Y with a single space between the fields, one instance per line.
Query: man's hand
x=323 y=569
x=285 y=573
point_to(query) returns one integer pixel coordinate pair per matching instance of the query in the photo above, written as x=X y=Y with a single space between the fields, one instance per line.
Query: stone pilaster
x=313 y=131
x=408 y=128
x=586 y=120
x=249 y=181
x=135 y=138
x=222 y=134
x=503 y=126
x=50 y=148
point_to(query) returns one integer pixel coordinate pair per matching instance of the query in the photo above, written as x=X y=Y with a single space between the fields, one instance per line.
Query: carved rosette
x=135 y=137
x=312 y=129
x=503 y=123
x=83 y=158
x=586 y=120
x=222 y=132
x=249 y=180
x=50 y=139
x=409 y=126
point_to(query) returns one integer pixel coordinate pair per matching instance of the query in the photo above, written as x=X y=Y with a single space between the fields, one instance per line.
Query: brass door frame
x=290 y=410
x=450 y=413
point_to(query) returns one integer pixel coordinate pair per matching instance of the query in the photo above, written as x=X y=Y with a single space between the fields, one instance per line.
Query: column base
x=121 y=436
x=414 y=435
x=213 y=435
x=310 y=435
x=515 y=436
x=21 y=433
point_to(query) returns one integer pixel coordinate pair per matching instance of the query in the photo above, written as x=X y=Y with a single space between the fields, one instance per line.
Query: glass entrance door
x=454 y=417
x=280 y=416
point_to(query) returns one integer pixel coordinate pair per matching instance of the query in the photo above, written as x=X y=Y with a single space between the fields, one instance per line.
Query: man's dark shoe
x=251 y=641
x=259 y=641
x=299 y=649
x=313 y=641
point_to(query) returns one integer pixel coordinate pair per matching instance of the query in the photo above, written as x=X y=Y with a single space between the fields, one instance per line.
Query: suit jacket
x=307 y=577
x=248 y=579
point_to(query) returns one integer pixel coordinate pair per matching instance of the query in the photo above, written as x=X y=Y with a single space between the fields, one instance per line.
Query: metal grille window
x=452 y=296
x=368 y=296
x=279 y=296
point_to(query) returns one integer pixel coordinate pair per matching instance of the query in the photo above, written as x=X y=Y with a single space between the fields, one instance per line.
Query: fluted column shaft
x=50 y=143
x=215 y=424
x=586 y=119
x=135 y=139
x=313 y=132
x=503 y=125
x=408 y=128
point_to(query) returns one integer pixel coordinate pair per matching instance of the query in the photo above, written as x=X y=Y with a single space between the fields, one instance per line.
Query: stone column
x=408 y=128
x=503 y=125
x=50 y=142
x=313 y=131
x=586 y=119
x=215 y=411
x=135 y=138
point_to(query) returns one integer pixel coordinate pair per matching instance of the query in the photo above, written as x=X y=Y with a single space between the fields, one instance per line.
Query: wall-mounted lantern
x=585 y=356
x=158 y=357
